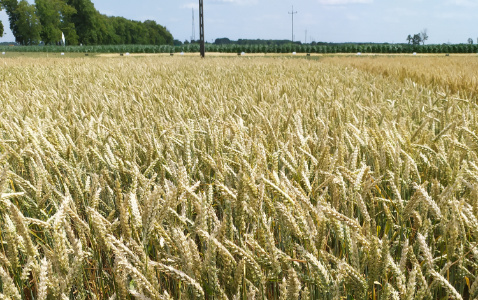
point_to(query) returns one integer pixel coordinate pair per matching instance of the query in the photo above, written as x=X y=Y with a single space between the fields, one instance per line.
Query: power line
x=292 y=13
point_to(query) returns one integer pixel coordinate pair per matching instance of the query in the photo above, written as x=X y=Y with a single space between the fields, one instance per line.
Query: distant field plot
x=238 y=178
x=454 y=74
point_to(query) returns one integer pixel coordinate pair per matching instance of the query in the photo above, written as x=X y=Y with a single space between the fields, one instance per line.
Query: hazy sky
x=390 y=21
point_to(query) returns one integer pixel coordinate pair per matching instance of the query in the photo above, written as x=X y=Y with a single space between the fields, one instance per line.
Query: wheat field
x=237 y=178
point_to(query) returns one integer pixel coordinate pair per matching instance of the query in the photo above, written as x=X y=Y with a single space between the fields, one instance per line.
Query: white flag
x=63 y=38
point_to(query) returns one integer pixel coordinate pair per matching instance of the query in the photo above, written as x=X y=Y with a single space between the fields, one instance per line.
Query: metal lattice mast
x=201 y=28
x=292 y=13
x=193 y=35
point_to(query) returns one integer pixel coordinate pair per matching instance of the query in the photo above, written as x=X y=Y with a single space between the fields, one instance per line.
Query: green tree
x=49 y=14
x=55 y=18
x=417 y=39
x=80 y=22
x=1 y=24
x=87 y=21
x=158 y=35
x=119 y=25
x=69 y=31
x=28 y=24
x=10 y=7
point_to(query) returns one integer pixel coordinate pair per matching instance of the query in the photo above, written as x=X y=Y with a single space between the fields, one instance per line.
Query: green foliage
x=1 y=24
x=231 y=48
x=94 y=28
x=123 y=31
x=337 y=48
x=10 y=7
x=100 y=49
x=80 y=22
x=49 y=15
x=28 y=24
x=55 y=18
x=87 y=21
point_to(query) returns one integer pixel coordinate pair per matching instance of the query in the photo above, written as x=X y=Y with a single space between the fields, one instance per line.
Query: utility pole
x=292 y=13
x=202 y=48
x=193 y=36
x=305 y=36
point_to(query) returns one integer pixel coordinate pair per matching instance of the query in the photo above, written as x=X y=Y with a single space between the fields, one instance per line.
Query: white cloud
x=342 y=2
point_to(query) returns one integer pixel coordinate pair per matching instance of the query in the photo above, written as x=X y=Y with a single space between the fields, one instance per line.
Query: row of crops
x=345 y=48
x=93 y=49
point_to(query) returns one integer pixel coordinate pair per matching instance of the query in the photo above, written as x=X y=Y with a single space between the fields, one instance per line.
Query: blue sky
x=390 y=21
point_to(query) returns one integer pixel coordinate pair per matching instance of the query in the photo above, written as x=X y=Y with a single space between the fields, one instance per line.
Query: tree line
x=80 y=23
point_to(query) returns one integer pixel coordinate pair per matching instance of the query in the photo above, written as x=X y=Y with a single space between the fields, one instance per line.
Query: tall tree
x=157 y=34
x=417 y=39
x=10 y=7
x=87 y=21
x=49 y=14
x=67 y=24
x=95 y=28
x=424 y=35
x=28 y=25
x=80 y=22
x=1 y=24
x=55 y=18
